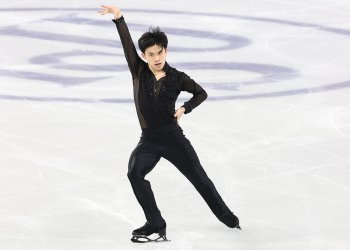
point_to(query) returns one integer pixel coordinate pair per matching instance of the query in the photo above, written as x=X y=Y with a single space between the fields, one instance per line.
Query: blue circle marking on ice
x=269 y=73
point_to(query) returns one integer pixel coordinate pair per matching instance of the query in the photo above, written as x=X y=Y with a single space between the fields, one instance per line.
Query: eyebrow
x=160 y=51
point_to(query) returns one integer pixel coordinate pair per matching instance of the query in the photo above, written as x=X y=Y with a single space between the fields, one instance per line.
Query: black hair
x=152 y=37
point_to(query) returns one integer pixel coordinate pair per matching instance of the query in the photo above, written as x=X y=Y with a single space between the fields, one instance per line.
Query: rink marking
x=284 y=73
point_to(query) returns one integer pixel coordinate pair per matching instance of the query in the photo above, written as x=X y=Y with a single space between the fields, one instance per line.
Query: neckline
x=160 y=78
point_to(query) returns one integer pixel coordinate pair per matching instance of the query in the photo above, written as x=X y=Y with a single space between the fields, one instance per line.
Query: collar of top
x=166 y=67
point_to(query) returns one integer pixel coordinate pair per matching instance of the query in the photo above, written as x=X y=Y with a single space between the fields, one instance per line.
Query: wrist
x=117 y=15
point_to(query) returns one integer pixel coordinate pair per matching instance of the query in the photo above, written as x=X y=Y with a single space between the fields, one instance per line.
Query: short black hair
x=152 y=37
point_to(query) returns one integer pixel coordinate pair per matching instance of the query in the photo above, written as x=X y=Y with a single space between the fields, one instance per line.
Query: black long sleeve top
x=155 y=100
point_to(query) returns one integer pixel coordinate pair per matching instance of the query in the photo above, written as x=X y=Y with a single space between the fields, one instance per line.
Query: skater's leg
x=181 y=153
x=142 y=161
x=186 y=160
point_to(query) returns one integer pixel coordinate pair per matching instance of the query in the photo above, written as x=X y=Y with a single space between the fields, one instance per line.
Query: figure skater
x=156 y=86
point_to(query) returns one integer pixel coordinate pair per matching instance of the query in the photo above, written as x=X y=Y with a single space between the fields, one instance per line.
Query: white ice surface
x=281 y=163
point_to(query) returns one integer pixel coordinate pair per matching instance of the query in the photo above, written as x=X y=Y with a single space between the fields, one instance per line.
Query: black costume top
x=155 y=100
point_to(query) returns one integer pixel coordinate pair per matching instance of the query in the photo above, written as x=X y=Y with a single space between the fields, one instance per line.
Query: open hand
x=110 y=9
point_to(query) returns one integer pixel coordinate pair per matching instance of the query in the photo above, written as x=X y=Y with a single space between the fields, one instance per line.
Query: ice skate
x=230 y=220
x=149 y=233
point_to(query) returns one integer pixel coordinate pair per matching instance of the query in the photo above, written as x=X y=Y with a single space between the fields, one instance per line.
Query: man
x=156 y=87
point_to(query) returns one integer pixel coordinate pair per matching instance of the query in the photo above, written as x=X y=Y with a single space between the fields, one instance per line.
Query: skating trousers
x=170 y=143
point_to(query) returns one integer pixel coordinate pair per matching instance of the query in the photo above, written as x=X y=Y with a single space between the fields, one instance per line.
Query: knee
x=200 y=179
x=132 y=170
x=131 y=175
x=134 y=175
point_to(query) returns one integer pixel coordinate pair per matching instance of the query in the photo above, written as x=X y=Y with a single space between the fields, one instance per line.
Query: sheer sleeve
x=199 y=94
x=130 y=52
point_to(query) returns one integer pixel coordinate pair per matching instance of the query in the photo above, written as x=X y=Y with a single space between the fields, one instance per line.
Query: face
x=155 y=56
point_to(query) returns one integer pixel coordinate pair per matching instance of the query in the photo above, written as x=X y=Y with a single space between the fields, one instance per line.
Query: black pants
x=169 y=142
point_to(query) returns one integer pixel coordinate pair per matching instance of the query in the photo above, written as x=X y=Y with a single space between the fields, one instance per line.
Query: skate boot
x=149 y=233
x=230 y=220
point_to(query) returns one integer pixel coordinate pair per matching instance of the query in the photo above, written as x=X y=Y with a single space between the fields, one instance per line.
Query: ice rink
x=274 y=134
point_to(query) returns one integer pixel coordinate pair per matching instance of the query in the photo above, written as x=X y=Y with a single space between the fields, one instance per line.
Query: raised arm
x=199 y=94
x=130 y=52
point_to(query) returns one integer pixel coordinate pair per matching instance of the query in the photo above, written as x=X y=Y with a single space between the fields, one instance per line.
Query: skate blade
x=148 y=239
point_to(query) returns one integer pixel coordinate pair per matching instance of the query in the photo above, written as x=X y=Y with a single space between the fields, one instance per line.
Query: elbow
x=204 y=94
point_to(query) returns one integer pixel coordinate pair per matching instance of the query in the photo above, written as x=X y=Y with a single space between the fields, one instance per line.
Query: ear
x=143 y=56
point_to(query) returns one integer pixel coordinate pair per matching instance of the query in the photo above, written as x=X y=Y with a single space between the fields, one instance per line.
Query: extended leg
x=184 y=157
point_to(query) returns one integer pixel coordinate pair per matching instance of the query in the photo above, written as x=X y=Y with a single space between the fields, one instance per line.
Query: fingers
x=106 y=9
x=102 y=12
x=178 y=114
x=110 y=9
